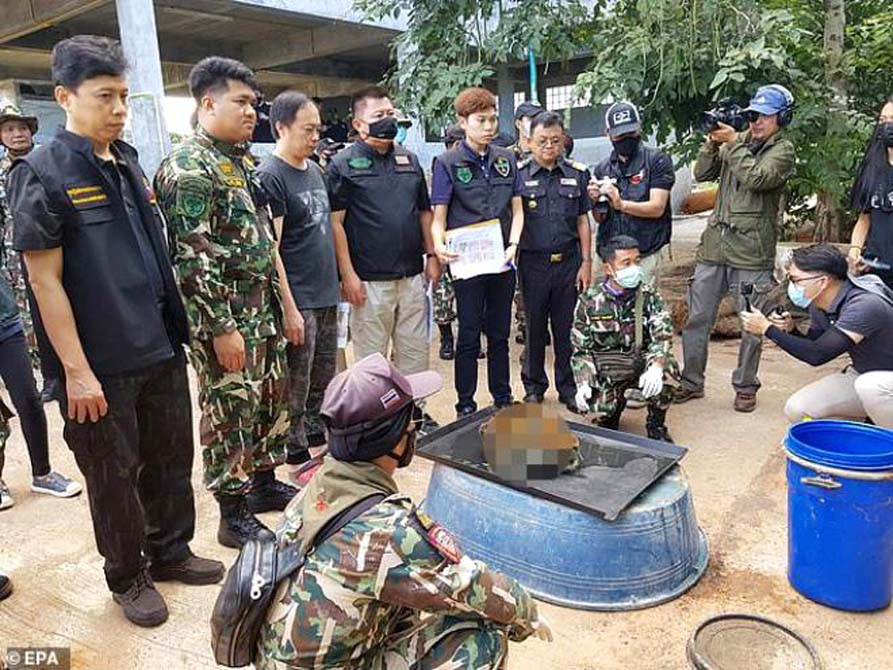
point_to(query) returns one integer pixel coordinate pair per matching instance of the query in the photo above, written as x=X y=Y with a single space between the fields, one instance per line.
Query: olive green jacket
x=742 y=231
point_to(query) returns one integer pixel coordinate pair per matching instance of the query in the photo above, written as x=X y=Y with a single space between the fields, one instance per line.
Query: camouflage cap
x=373 y=389
x=10 y=112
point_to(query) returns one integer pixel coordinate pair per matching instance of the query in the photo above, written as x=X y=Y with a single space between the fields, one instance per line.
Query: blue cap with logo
x=770 y=100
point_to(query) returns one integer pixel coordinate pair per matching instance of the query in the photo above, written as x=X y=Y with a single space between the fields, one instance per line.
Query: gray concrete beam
x=336 y=10
x=22 y=17
x=316 y=43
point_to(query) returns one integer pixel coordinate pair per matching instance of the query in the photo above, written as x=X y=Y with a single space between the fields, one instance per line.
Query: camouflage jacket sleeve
x=424 y=569
x=185 y=191
x=658 y=328
x=586 y=339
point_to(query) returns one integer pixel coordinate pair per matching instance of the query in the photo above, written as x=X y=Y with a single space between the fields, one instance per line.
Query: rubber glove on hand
x=652 y=381
x=584 y=393
x=542 y=629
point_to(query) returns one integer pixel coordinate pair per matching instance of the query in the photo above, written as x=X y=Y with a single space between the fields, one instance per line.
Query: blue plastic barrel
x=653 y=552
x=840 y=513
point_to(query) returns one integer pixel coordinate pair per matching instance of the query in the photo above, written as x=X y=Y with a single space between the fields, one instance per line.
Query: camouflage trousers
x=244 y=422
x=445 y=643
x=310 y=369
x=520 y=310
x=606 y=395
x=16 y=280
x=444 y=301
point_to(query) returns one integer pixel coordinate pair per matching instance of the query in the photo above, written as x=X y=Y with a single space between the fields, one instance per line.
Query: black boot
x=656 y=425
x=447 y=351
x=612 y=421
x=268 y=494
x=237 y=524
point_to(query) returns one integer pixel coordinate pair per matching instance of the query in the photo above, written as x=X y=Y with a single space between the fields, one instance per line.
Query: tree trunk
x=828 y=210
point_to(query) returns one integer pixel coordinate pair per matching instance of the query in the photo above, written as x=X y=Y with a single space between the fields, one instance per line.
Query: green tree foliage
x=676 y=57
x=452 y=44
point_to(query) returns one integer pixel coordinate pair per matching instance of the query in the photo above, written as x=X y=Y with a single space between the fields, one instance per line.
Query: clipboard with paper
x=479 y=248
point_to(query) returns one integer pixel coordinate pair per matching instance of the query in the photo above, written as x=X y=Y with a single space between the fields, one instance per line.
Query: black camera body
x=727 y=111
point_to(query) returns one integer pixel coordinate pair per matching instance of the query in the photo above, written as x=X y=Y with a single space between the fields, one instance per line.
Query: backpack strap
x=292 y=557
x=639 y=310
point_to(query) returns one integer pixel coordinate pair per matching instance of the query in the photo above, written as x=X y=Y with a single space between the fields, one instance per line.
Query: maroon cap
x=373 y=389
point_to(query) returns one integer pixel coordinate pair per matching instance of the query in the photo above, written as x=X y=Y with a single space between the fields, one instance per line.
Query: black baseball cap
x=621 y=118
x=528 y=109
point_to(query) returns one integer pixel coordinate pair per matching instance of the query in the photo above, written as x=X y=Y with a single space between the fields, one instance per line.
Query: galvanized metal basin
x=653 y=552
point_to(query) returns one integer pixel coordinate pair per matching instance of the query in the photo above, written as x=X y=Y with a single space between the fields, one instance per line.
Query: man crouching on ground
x=360 y=594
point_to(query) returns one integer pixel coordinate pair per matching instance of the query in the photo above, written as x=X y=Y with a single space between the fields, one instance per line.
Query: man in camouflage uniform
x=17 y=136
x=231 y=276
x=605 y=321
x=359 y=597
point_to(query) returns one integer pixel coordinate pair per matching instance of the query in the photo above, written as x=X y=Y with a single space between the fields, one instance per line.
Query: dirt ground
x=735 y=466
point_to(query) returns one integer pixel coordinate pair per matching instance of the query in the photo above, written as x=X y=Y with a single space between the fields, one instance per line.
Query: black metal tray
x=617 y=467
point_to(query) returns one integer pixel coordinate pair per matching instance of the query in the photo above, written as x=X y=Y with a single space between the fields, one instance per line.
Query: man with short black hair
x=555 y=257
x=300 y=204
x=381 y=220
x=237 y=297
x=623 y=339
x=847 y=315
x=82 y=204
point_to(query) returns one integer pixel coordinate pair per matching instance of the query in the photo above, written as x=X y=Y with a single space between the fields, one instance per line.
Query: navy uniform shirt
x=476 y=187
x=382 y=196
x=648 y=169
x=553 y=200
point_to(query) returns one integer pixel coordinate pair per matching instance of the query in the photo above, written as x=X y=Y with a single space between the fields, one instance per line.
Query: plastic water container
x=653 y=552
x=840 y=513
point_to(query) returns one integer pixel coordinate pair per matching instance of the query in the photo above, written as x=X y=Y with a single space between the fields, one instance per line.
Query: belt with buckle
x=556 y=258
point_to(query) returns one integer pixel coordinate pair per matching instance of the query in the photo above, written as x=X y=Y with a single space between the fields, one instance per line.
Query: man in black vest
x=637 y=200
x=112 y=328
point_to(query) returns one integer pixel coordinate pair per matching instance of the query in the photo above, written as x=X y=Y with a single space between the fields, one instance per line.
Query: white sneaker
x=6 y=500
x=55 y=484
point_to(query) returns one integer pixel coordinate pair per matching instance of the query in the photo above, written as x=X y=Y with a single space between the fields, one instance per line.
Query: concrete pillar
x=136 y=23
x=505 y=92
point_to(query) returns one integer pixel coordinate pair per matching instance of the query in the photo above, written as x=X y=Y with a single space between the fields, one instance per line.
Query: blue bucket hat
x=772 y=99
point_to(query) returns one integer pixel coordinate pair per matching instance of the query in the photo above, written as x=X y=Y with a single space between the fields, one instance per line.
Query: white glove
x=652 y=381
x=584 y=393
x=542 y=629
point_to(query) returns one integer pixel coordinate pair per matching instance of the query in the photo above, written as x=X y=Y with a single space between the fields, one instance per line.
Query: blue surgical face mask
x=401 y=135
x=797 y=294
x=629 y=277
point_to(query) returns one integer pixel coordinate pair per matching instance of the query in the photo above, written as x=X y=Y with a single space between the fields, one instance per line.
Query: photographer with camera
x=847 y=315
x=631 y=190
x=737 y=250
x=871 y=247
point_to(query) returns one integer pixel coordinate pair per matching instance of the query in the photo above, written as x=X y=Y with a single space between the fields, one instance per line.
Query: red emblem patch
x=446 y=544
x=636 y=179
x=321 y=505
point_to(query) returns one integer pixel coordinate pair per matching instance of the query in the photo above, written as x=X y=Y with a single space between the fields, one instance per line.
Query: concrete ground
x=735 y=466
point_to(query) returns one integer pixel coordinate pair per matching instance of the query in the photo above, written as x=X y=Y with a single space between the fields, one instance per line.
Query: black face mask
x=627 y=147
x=384 y=129
x=887 y=134
x=404 y=459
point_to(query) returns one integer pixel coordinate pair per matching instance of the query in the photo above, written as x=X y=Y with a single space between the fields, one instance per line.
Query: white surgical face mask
x=629 y=277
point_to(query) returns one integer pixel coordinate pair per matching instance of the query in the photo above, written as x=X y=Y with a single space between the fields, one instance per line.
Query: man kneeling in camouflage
x=622 y=338
x=359 y=599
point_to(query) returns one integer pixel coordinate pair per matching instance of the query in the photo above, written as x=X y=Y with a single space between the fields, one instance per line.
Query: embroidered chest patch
x=502 y=166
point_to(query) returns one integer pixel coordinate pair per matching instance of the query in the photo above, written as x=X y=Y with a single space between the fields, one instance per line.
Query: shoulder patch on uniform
x=360 y=163
x=439 y=538
x=193 y=195
x=524 y=162
x=502 y=166
x=577 y=165
x=402 y=159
